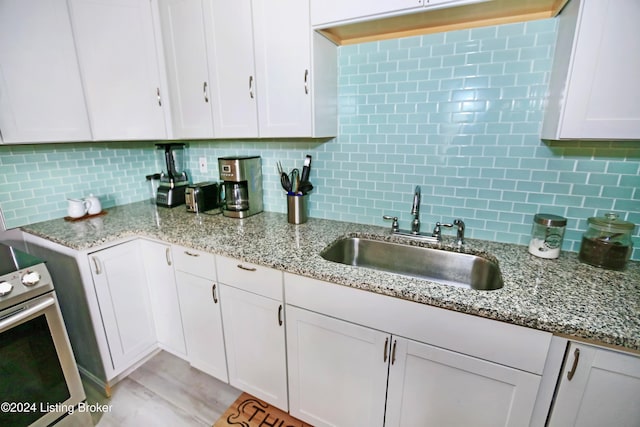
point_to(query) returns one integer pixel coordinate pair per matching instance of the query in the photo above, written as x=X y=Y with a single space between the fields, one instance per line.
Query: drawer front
x=192 y=261
x=250 y=277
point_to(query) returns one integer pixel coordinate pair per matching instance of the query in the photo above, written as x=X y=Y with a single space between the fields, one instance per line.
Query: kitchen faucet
x=415 y=211
x=435 y=236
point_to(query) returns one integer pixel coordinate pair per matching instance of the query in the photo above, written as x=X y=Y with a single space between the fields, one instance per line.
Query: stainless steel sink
x=450 y=268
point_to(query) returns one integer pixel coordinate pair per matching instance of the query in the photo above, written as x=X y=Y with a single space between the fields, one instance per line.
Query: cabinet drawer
x=250 y=277
x=194 y=262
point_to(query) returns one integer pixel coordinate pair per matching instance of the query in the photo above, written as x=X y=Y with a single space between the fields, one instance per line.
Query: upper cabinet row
x=82 y=70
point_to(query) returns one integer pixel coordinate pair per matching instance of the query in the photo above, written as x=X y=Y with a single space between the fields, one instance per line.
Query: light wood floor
x=165 y=391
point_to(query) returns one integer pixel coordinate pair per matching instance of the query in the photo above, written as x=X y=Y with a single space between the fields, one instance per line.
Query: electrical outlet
x=203 y=164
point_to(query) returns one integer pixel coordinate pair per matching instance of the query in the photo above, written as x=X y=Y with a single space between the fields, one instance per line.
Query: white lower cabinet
x=253 y=319
x=430 y=386
x=337 y=370
x=358 y=358
x=338 y=377
x=200 y=309
x=164 y=296
x=597 y=387
x=125 y=307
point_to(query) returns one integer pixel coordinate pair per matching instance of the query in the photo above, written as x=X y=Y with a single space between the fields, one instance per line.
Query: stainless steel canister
x=297 y=208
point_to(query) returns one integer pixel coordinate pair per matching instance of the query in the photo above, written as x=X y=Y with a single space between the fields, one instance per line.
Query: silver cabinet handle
x=576 y=358
x=386 y=349
x=191 y=254
x=158 y=95
x=213 y=294
x=251 y=86
x=393 y=352
x=204 y=90
x=280 y=315
x=96 y=264
x=242 y=267
x=167 y=255
x=306 y=82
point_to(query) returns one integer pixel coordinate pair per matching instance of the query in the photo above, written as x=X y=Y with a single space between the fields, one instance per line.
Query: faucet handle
x=460 y=236
x=394 y=225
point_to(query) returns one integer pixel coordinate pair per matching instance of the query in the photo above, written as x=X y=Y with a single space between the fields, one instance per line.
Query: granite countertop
x=562 y=296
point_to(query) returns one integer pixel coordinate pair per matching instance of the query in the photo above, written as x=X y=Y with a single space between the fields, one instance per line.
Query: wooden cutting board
x=248 y=411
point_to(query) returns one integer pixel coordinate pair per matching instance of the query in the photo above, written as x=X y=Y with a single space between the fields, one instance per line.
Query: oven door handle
x=14 y=319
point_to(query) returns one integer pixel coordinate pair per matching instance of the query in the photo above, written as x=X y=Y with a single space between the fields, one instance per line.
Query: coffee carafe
x=173 y=180
x=242 y=181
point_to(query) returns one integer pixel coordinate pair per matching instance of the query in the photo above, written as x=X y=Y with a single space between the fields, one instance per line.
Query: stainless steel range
x=40 y=383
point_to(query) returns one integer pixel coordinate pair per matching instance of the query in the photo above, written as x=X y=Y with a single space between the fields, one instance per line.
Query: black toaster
x=203 y=196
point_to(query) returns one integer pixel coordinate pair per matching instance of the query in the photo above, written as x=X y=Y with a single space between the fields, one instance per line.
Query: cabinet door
x=200 y=307
x=164 y=296
x=185 y=50
x=234 y=86
x=121 y=288
x=594 y=88
x=119 y=65
x=431 y=386
x=41 y=97
x=337 y=370
x=283 y=67
x=603 y=390
x=254 y=338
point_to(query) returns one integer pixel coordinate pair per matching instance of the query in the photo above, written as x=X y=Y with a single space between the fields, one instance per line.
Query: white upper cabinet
x=295 y=71
x=594 y=90
x=185 y=48
x=119 y=64
x=325 y=12
x=264 y=57
x=41 y=97
x=232 y=68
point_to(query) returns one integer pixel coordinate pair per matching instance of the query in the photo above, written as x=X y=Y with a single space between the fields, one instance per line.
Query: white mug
x=95 y=207
x=78 y=208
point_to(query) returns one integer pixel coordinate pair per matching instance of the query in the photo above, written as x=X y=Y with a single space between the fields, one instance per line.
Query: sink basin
x=449 y=268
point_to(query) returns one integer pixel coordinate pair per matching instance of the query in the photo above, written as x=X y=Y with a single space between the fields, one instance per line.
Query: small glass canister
x=546 y=235
x=607 y=242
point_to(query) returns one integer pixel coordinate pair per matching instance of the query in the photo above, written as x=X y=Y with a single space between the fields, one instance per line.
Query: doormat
x=248 y=411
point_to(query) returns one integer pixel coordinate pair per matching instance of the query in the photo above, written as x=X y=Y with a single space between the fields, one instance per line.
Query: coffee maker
x=242 y=181
x=173 y=180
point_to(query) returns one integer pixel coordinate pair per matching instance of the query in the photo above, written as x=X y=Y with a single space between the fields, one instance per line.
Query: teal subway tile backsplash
x=457 y=113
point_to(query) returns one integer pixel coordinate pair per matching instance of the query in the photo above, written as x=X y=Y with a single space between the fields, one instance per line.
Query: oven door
x=40 y=380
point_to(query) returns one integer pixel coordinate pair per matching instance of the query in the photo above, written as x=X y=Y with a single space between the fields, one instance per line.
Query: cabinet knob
x=158 y=95
x=386 y=350
x=204 y=90
x=251 y=86
x=306 y=82
x=280 y=315
x=242 y=267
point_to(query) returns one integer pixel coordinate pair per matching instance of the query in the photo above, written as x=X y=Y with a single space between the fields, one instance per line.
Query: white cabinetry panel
x=255 y=342
x=337 y=370
x=41 y=96
x=185 y=48
x=433 y=386
x=121 y=287
x=119 y=64
x=603 y=389
x=594 y=88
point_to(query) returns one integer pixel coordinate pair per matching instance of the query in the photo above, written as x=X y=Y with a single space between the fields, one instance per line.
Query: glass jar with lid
x=607 y=242
x=546 y=235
